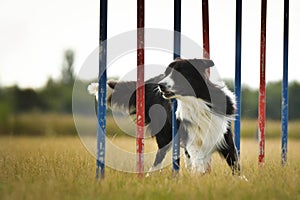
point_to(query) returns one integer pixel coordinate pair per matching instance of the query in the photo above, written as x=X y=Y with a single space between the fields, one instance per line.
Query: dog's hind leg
x=229 y=152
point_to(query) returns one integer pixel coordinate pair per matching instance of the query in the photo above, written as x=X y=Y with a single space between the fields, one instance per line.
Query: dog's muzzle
x=163 y=88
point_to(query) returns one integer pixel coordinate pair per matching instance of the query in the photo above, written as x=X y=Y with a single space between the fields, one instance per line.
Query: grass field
x=55 y=124
x=61 y=168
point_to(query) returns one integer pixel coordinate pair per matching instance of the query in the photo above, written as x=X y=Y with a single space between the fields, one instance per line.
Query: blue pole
x=237 y=83
x=284 y=111
x=101 y=129
x=176 y=54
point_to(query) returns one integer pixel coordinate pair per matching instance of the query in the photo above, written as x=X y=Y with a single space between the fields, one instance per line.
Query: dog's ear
x=175 y=61
x=178 y=59
x=203 y=63
x=112 y=84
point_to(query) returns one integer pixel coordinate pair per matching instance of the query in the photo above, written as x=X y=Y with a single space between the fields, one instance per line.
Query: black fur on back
x=124 y=96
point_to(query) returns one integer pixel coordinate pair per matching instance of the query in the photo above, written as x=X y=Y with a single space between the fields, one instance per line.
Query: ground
x=61 y=168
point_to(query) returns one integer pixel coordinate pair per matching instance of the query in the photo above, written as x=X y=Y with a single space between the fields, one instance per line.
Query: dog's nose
x=162 y=86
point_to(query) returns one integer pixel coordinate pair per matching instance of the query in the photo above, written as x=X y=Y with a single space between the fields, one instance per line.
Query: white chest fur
x=205 y=131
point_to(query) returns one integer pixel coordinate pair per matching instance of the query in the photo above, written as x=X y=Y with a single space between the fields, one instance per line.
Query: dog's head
x=186 y=78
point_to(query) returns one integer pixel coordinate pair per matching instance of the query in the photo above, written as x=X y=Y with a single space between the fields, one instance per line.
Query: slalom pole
x=205 y=34
x=176 y=54
x=205 y=28
x=262 y=85
x=140 y=88
x=284 y=111
x=237 y=82
x=101 y=105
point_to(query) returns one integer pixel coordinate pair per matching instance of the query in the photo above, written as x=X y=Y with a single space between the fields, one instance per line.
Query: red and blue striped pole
x=140 y=88
x=237 y=82
x=176 y=54
x=101 y=114
x=284 y=112
x=262 y=85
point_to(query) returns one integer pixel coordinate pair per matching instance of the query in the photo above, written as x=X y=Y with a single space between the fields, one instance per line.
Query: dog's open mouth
x=168 y=94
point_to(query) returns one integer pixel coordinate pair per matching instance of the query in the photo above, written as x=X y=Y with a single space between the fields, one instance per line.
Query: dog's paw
x=244 y=178
x=153 y=169
x=148 y=174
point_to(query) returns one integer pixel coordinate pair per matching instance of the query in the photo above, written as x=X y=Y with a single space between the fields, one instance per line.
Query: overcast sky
x=35 y=33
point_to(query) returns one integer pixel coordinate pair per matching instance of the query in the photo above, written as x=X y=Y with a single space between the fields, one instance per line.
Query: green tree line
x=273 y=100
x=56 y=96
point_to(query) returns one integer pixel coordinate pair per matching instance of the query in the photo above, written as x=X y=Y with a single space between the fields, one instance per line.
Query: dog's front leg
x=187 y=160
x=160 y=155
x=200 y=161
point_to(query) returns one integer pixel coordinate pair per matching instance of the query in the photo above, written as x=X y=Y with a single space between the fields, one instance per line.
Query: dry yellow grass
x=61 y=168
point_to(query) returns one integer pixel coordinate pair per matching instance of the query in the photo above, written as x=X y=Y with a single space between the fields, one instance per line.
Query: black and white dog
x=204 y=112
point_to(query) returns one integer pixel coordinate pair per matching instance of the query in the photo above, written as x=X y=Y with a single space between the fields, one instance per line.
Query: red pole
x=262 y=85
x=205 y=28
x=205 y=35
x=205 y=31
x=140 y=88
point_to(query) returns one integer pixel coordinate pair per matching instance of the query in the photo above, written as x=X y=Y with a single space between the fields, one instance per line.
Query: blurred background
x=44 y=44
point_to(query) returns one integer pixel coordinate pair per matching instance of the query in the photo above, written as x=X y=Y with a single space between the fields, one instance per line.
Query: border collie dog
x=204 y=113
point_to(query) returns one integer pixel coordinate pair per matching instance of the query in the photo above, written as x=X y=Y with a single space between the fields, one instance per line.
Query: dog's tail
x=93 y=89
